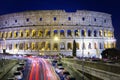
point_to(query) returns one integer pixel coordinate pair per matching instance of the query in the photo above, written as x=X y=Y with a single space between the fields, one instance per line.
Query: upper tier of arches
x=56 y=17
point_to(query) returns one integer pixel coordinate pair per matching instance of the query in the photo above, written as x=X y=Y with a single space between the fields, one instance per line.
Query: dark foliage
x=74 y=48
x=111 y=53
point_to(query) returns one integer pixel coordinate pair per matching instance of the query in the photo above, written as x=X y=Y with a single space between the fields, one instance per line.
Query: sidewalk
x=6 y=67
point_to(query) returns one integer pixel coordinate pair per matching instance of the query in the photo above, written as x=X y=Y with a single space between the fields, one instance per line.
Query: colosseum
x=49 y=32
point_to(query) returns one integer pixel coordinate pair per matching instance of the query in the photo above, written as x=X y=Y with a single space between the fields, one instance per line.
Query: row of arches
x=62 y=33
x=58 y=46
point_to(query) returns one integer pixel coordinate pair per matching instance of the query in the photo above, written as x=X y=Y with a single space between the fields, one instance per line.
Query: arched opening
x=69 y=33
x=100 y=45
x=76 y=33
x=10 y=34
x=83 y=33
x=33 y=33
x=89 y=46
x=62 y=46
x=21 y=46
x=15 y=46
x=55 y=46
x=95 y=33
x=2 y=34
x=62 y=34
x=43 y=46
x=95 y=46
x=27 y=33
x=109 y=45
x=33 y=46
x=69 y=46
x=40 y=33
x=105 y=33
x=21 y=33
x=55 y=32
x=89 y=33
x=77 y=45
x=15 y=34
x=105 y=45
x=10 y=46
x=47 y=33
x=110 y=34
x=48 y=46
x=26 y=46
x=100 y=33
x=5 y=35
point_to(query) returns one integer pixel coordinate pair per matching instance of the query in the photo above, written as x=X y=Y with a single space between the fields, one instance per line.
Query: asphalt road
x=39 y=69
x=35 y=69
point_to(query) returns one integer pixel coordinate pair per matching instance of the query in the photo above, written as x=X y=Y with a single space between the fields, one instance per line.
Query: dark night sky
x=107 y=6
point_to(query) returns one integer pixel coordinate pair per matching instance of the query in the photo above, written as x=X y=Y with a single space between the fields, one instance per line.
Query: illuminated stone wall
x=34 y=32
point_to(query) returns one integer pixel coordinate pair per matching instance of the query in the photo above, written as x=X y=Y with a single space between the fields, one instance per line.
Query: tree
x=111 y=54
x=74 y=48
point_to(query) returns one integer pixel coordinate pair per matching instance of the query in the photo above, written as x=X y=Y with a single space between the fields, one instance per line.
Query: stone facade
x=53 y=31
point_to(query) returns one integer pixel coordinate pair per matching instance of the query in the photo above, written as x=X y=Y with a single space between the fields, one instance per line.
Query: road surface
x=39 y=69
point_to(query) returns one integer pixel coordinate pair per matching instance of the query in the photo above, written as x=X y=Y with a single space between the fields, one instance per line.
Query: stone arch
x=69 y=33
x=47 y=33
x=40 y=33
x=105 y=45
x=10 y=46
x=89 y=33
x=26 y=46
x=89 y=46
x=83 y=46
x=21 y=46
x=21 y=33
x=100 y=33
x=100 y=45
x=15 y=34
x=62 y=46
x=76 y=33
x=110 y=33
x=27 y=33
x=15 y=45
x=95 y=33
x=33 y=33
x=10 y=34
x=33 y=46
x=83 y=33
x=55 y=32
x=105 y=33
x=5 y=34
x=69 y=46
x=48 y=46
x=55 y=46
x=109 y=45
x=2 y=34
x=43 y=45
x=62 y=33
x=95 y=45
